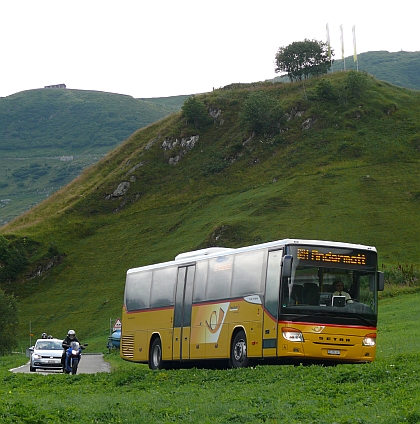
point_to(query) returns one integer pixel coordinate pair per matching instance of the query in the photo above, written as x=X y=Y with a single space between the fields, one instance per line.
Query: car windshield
x=48 y=345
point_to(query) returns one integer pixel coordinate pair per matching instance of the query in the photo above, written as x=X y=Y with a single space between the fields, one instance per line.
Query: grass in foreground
x=386 y=391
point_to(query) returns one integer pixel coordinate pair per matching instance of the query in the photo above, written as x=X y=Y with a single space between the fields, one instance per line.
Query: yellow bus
x=276 y=302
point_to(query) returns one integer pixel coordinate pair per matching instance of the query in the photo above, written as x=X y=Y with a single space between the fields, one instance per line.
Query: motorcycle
x=73 y=356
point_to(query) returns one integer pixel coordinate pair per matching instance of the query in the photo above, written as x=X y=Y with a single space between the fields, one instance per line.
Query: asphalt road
x=90 y=363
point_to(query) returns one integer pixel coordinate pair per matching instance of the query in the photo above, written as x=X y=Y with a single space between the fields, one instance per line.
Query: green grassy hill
x=343 y=166
x=48 y=136
x=399 y=68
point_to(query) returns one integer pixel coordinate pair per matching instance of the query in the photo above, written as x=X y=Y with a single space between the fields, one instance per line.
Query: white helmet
x=71 y=334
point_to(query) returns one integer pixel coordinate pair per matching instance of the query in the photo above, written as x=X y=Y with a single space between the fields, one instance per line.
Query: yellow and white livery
x=271 y=303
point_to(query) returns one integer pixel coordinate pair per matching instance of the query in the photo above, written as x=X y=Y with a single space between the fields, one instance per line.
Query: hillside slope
x=399 y=68
x=343 y=166
x=47 y=136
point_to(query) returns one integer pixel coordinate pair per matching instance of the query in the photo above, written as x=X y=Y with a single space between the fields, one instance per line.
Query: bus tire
x=155 y=354
x=238 y=351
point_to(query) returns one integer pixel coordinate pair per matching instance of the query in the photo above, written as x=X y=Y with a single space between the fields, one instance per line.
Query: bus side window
x=247 y=273
x=272 y=283
x=200 y=281
x=219 y=277
x=372 y=283
x=163 y=287
x=137 y=290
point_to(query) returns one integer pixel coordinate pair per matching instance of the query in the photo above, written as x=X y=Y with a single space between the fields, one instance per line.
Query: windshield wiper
x=316 y=313
x=363 y=319
x=295 y=317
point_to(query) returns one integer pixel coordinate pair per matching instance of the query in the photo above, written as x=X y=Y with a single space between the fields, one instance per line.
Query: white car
x=46 y=354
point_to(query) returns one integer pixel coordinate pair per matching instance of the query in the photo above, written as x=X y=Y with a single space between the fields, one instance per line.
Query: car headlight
x=369 y=340
x=36 y=356
x=292 y=334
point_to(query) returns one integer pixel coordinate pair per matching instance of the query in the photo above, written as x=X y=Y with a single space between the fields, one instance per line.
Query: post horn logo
x=215 y=321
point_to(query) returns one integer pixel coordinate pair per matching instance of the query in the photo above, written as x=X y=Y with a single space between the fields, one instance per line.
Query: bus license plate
x=333 y=352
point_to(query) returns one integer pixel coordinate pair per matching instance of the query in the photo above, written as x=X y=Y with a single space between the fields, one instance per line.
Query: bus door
x=271 y=303
x=182 y=312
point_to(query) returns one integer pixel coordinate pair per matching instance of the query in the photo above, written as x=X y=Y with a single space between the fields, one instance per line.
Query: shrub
x=403 y=275
x=9 y=317
x=262 y=113
x=214 y=165
x=358 y=84
x=13 y=258
x=195 y=112
x=324 y=90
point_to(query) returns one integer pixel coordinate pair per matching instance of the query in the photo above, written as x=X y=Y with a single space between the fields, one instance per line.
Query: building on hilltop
x=56 y=86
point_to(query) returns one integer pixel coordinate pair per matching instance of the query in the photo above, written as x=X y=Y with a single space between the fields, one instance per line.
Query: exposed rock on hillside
x=216 y=114
x=185 y=144
x=308 y=123
x=119 y=191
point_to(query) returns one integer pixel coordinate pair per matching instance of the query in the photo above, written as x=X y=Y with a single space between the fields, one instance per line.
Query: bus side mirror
x=287 y=266
x=381 y=281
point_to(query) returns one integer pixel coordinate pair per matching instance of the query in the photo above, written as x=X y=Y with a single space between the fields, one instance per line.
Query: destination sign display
x=333 y=257
x=316 y=255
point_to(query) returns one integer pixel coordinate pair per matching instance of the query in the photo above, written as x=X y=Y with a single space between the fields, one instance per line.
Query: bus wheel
x=155 y=356
x=238 y=356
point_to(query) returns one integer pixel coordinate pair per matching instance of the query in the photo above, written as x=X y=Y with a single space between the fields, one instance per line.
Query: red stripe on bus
x=328 y=325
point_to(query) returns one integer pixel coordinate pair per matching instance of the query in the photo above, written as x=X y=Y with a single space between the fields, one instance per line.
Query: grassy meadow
x=385 y=391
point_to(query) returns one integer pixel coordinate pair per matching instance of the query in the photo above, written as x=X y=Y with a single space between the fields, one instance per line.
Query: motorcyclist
x=71 y=337
x=44 y=336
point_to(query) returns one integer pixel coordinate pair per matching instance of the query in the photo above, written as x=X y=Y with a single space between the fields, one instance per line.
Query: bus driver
x=338 y=287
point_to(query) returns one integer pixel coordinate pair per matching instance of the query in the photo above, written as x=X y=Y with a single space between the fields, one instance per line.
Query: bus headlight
x=292 y=334
x=369 y=340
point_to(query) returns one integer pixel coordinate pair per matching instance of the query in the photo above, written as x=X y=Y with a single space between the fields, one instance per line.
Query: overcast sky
x=159 y=48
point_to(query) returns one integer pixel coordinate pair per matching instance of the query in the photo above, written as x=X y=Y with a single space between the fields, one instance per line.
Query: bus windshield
x=335 y=283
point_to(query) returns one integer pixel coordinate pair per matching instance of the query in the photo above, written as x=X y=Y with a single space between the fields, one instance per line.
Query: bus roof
x=211 y=252
x=203 y=252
